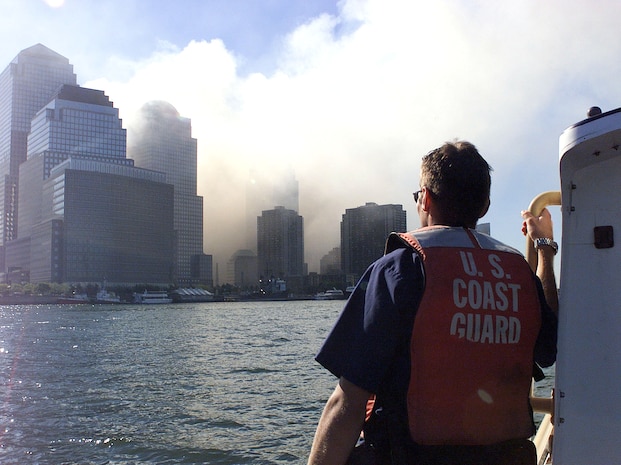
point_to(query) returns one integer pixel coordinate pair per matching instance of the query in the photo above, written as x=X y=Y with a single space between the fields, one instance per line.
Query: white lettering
x=457 y=325
x=475 y=294
x=497 y=271
x=485 y=295
x=488 y=296
x=473 y=330
x=487 y=335
x=486 y=329
x=515 y=288
x=467 y=260
x=460 y=301
x=515 y=330
x=502 y=325
x=502 y=303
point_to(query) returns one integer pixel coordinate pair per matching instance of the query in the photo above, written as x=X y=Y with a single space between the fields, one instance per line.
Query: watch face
x=546 y=241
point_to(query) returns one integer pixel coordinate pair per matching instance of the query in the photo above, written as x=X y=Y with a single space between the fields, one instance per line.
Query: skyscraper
x=363 y=234
x=117 y=224
x=331 y=262
x=162 y=141
x=267 y=189
x=26 y=85
x=242 y=269
x=280 y=244
x=86 y=213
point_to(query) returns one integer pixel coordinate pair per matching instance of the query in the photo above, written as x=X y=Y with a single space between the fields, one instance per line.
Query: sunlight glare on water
x=230 y=383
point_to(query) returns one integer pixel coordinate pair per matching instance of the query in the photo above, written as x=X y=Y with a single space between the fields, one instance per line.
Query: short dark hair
x=459 y=180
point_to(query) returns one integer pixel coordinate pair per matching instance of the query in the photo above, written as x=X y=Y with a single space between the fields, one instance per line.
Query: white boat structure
x=152 y=297
x=74 y=299
x=105 y=297
x=330 y=294
x=191 y=294
x=582 y=423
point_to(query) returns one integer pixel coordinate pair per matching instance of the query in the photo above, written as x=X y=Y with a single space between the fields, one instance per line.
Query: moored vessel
x=330 y=294
x=74 y=299
x=152 y=297
x=105 y=297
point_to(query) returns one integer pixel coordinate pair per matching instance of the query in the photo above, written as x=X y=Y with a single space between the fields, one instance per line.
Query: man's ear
x=485 y=208
x=426 y=200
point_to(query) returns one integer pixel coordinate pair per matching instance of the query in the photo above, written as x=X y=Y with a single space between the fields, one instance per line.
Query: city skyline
x=84 y=212
x=350 y=94
x=79 y=130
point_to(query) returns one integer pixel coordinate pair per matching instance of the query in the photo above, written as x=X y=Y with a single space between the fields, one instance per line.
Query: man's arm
x=540 y=227
x=340 y=425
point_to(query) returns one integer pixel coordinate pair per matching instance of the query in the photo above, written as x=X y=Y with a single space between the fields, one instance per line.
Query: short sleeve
x=367 y=334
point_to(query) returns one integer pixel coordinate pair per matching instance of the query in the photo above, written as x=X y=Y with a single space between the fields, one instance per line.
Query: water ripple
x=219 y=383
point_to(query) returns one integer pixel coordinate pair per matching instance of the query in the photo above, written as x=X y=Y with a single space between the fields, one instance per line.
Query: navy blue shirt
x=369 y=343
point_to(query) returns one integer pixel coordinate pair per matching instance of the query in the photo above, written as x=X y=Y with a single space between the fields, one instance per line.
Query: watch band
x=546 y=241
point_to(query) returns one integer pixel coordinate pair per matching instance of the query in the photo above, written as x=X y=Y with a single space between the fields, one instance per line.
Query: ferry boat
x=105 y=297
x=74 y=299
x=582 y=422
x=330 y=294
x=152 y=297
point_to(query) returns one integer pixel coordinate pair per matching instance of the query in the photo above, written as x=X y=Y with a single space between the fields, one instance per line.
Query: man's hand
x=537 y=227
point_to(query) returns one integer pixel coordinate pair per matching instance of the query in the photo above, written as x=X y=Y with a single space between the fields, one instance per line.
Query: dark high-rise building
x=280 y=244
x=117 y=224
x=26 y=85
x=162 y=141
x=331 y=262
x=242 y=269
x=265 y=190
x=363 y=234
x=202 y=269
x=86 y=213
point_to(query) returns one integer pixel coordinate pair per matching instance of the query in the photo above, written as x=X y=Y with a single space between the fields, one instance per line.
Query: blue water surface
x=217 y=383
x=208 y=383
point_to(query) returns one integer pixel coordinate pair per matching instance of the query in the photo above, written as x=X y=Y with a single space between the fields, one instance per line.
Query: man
x=442 y=334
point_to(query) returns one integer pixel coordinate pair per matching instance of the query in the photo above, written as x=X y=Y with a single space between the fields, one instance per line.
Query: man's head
x=457 y=180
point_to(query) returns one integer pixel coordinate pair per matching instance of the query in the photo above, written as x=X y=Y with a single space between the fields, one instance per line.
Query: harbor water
x=214 y=383
x=217 y=383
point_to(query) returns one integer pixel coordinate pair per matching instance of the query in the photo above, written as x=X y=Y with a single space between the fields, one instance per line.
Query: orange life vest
x=472 y=340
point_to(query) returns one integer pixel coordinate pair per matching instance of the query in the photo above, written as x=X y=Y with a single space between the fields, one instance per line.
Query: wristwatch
x=546 y=241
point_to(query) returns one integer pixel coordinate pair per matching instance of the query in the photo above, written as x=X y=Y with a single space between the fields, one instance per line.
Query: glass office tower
x=280 y=244
x=363 y=235
x=86 y=213
x=162 y=141
x=26 y=85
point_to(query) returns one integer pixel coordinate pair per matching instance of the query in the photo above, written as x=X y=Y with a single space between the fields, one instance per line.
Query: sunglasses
x=417 y=195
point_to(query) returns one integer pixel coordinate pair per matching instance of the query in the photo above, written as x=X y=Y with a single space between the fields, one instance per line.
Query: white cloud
x=359 y=98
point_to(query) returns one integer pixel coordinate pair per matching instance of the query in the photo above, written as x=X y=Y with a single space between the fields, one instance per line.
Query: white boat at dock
x=152 y=297
x=330 y=294
x=105 y=297
x=74 y=299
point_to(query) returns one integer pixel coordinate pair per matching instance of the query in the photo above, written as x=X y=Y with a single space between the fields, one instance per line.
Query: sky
x=348 y=94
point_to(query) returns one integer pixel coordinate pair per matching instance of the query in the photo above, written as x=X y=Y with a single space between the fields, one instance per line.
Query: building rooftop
x=83 y=95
